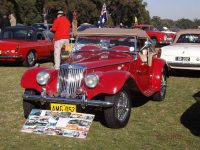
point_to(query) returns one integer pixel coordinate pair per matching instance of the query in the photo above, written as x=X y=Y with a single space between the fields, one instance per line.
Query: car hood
x=181 y=50
x=99 y=59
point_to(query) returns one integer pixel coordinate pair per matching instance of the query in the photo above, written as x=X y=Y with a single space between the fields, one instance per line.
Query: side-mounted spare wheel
x=118 y=115
x=159 y=96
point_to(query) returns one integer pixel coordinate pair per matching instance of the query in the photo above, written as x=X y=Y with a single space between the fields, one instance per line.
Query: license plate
x=182 y=58
x=63 y=107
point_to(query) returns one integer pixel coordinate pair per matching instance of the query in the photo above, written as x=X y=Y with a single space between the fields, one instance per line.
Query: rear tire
x=118 y=115
x=29 y=105
x=160 y=96
x=30 y=59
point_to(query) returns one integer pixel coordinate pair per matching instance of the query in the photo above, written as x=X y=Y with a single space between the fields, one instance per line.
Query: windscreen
x=189 y=38
x=17 y=34
x=104 y=42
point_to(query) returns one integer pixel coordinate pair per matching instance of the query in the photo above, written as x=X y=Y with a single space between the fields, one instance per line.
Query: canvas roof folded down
x=113 y=32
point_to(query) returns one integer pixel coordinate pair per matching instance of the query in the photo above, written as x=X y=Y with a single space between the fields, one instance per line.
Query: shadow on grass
x=185 y=73
x=137 y=101
x=191 y=117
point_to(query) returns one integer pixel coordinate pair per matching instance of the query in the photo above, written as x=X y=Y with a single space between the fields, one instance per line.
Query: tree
x=156 y=21
x=86 y=10
x=31 y=11
x=185 y=24
x=6 y=7
x=125 y=11
x=167 y=23
x=197 y=22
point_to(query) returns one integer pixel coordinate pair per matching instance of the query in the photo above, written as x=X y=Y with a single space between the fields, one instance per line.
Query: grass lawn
x=171 y=124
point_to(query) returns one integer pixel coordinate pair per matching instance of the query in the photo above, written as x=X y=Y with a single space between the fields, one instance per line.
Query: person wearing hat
x=61 y=28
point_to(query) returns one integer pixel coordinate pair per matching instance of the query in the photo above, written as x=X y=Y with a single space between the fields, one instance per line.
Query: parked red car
x=106 y=69
x=25 y=44
x=157 y=36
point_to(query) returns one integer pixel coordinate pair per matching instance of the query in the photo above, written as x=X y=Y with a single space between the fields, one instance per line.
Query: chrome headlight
x=43 y=78
x=91 y=80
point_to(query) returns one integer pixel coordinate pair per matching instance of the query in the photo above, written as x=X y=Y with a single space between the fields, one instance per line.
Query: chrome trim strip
x=172 y=64
x=83 y=101
x=15 y=57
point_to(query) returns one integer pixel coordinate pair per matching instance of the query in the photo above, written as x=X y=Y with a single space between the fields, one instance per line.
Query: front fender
x=28 y=80
x=109 y=83
x=158 y=66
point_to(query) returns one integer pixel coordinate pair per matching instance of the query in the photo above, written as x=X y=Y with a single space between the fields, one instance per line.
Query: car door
x=143 y=71
x=45 y=46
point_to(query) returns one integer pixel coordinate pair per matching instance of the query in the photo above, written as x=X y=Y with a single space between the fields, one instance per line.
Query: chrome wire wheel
x=118 y=115
x=163 y=85
x=122 y=107
x=160 y=95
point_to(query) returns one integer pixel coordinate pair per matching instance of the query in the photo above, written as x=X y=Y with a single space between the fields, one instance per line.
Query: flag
x=135 y=21
x=74 y=24
x=103 y=17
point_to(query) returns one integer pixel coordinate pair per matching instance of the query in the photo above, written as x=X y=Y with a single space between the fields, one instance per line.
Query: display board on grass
x=66 y=124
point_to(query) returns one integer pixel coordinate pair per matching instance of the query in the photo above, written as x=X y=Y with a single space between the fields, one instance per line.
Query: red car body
x=106 y=73
x=157 y=36
x=25 y=44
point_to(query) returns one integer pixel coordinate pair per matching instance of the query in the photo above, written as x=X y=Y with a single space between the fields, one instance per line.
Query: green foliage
x=30 y=11
x=156 y=21
x=6 y=7
x=185 y=24
x=181 y=23
x=167 y=23
x=87 y=11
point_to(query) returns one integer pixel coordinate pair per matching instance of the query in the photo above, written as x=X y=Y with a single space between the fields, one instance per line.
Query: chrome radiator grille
x=70 y=78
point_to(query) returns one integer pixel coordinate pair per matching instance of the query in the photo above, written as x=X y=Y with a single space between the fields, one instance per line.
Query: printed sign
x=68 y=124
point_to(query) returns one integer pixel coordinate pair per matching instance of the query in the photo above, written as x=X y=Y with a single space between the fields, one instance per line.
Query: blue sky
x=174 y=9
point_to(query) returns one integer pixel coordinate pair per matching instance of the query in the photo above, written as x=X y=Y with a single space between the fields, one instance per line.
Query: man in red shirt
x=61 y=28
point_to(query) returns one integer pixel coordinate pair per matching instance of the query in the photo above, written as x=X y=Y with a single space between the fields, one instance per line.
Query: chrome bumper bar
x=83 y=101
x=14 y=57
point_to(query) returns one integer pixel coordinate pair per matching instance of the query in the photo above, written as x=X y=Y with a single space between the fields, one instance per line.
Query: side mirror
x=72 y=39
x=147 y=44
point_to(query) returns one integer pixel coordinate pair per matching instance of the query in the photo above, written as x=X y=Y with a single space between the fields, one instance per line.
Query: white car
x=184 y=52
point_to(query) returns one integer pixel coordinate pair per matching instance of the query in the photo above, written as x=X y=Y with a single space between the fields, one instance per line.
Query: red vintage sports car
x=25 y=44
x=157 y=36
x=107 y=68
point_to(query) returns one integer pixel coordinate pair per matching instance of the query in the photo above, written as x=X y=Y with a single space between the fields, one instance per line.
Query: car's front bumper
x=165 y=42
x=10 y=57
x=82 y=101
x=188 y=66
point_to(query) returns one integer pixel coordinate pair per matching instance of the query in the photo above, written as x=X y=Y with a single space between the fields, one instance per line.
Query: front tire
x=118 y=115
x=29 y=105
x=30 y=59
x=160 y=96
